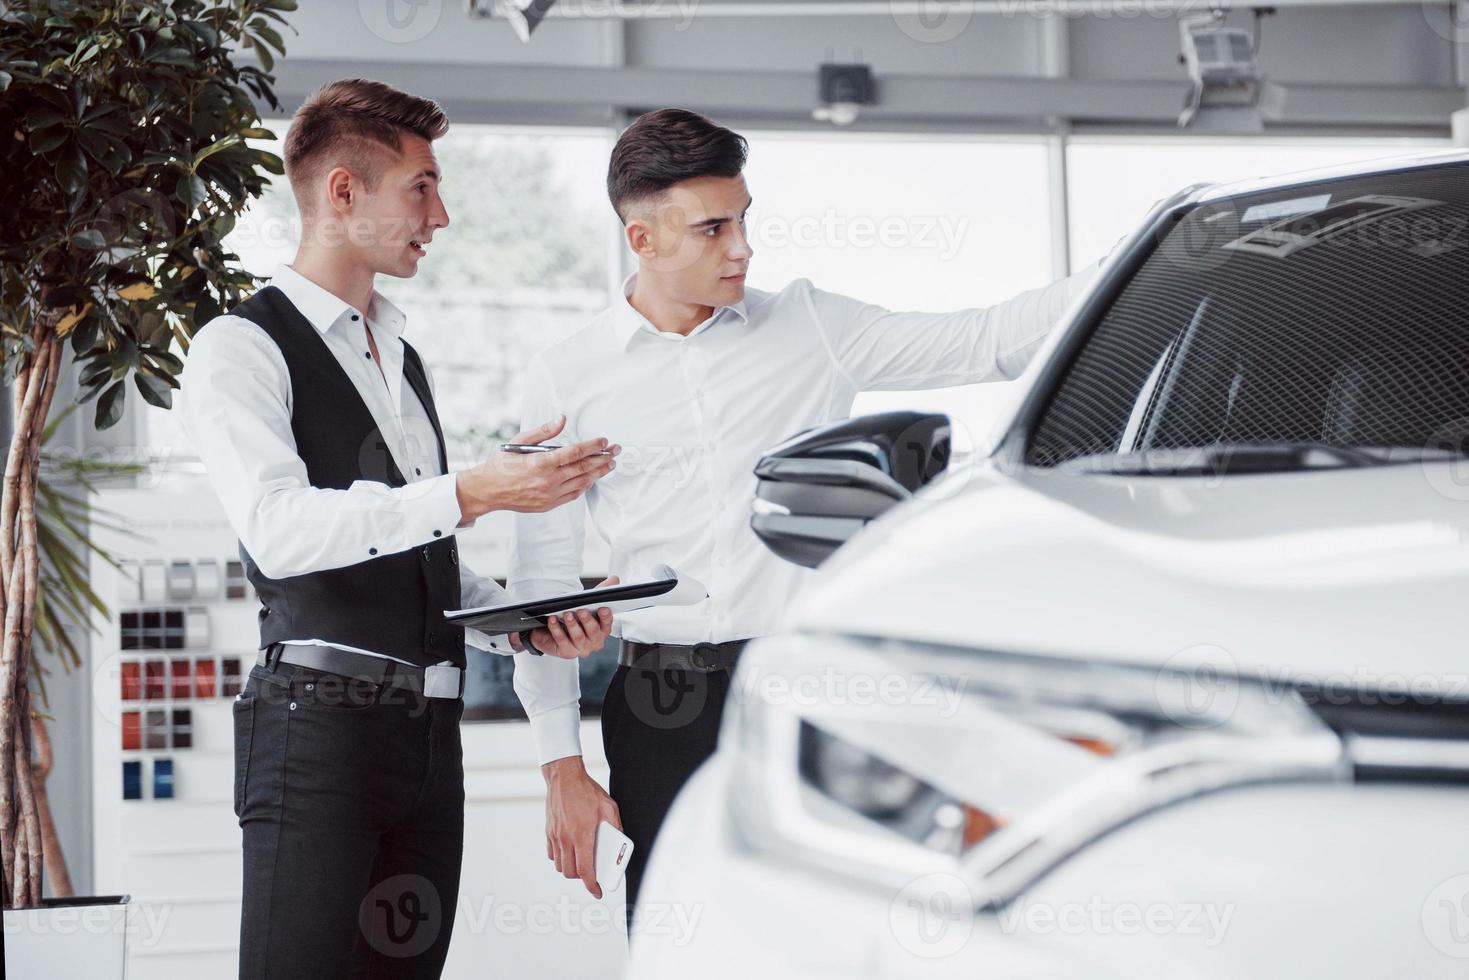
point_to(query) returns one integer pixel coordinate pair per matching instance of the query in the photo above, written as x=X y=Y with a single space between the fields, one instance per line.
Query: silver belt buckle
x=441 y=681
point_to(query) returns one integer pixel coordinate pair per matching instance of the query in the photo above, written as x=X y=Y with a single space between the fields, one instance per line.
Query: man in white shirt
x=696 y=375
x=315 y=420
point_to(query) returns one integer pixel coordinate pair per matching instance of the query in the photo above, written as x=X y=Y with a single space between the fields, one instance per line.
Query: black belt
x=701 y=657
x=442 y=680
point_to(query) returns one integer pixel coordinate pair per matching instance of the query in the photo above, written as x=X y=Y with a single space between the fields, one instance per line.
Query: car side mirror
x=820 y=487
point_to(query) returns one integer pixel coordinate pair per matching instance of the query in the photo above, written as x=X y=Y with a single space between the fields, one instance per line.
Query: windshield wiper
x=1237 y=458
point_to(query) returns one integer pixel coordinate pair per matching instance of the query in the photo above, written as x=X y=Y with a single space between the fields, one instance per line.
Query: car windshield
x=1325 y=325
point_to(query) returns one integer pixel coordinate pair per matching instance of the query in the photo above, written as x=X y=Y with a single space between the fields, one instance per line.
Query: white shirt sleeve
x=235 y=395
x=545 y=559
x=481 y=590
x=879 y=350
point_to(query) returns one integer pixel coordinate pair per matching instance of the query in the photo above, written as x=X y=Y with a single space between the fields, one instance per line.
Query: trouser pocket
x=244 y=713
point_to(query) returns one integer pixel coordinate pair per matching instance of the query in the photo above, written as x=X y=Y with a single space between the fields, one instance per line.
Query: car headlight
x=892 y=760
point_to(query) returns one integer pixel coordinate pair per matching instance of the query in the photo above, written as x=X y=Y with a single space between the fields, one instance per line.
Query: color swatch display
x=168 y=672
x=184 y=580
x=132 y=779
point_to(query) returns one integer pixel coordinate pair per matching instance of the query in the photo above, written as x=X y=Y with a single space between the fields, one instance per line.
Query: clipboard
x=666 y=589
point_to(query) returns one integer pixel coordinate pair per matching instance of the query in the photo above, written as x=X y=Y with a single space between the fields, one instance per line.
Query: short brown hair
x=667 y=146
x=349 y=122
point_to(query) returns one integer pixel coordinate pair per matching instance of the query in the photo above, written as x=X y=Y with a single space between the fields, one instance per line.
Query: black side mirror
x=820 y=487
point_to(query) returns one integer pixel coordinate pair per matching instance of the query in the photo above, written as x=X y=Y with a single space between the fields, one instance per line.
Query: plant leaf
x=71 y=169
x=214 y=148
x=269 y=34
x=154 y=390
x=267 y=60
x=137 y=291
x=48 y=139
x=90 y=239
x=72 y=318
x=109 y=406
x=191 y=190
x=270 y=162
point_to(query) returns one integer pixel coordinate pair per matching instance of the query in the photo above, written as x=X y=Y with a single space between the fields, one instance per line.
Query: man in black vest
x=316 y=423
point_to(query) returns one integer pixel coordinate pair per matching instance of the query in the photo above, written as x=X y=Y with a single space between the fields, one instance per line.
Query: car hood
x=1351 y=576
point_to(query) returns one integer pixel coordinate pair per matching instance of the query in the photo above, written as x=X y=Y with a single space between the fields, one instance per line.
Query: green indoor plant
x=123 y=129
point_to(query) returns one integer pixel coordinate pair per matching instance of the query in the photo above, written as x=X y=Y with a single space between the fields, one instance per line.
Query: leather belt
x=442 y=680
x=703 y=658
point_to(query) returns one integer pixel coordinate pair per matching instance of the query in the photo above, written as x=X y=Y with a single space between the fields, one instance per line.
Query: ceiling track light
x=843 y=89
x=524 y=16
x=1227 y=85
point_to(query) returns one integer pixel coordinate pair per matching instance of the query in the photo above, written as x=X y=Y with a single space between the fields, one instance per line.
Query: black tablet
x=532 y=615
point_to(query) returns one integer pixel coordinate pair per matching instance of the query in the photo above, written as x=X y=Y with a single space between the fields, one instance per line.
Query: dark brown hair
x=349 y=123
x=667 y=146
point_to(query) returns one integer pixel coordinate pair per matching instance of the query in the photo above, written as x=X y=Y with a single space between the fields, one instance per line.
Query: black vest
x=390 y=604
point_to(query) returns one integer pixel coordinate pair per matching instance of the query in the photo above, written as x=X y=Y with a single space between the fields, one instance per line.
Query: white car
x=1173 y=682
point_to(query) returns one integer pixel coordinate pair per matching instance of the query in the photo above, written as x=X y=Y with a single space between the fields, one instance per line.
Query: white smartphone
x=613 y=849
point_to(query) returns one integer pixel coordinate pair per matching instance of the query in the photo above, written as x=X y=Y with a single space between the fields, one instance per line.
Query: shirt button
x=366 y=354
x=419 y=472
x=372 y=551
x=438 y=534
x=354 y=317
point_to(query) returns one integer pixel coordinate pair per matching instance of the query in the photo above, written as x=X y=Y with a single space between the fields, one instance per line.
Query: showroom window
x=1112 y=182
x=907 y=222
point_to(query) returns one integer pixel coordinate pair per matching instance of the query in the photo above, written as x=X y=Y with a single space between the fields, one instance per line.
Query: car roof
x=1363 y=168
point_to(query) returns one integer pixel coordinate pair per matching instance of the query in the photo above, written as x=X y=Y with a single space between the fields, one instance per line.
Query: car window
x=1334 y=314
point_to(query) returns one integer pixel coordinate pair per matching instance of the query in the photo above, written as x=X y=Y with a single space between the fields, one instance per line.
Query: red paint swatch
x=132 y=684
x=132 y=730
x=182 y=682
x=153 y=677
x=204 y=678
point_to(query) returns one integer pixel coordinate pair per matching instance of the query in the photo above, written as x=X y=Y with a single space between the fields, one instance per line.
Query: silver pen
x=517 y=447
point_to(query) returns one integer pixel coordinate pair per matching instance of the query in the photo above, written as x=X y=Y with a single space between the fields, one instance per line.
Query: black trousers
x=351 y=800
x=658 y=726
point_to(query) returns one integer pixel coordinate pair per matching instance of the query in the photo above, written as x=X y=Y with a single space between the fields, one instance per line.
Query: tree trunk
x=21 y=835
x=51 y=853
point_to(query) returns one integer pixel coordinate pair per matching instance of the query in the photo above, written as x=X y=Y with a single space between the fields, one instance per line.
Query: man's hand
x=572 y=635
x=575 y=805
x=533 y=482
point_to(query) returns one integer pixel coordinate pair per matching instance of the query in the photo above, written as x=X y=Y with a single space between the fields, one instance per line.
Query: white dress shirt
x=235 y=396
x=694 y=414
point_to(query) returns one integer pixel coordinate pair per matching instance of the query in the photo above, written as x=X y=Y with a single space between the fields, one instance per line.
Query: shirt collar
x=627 y=321
x=324 y=309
